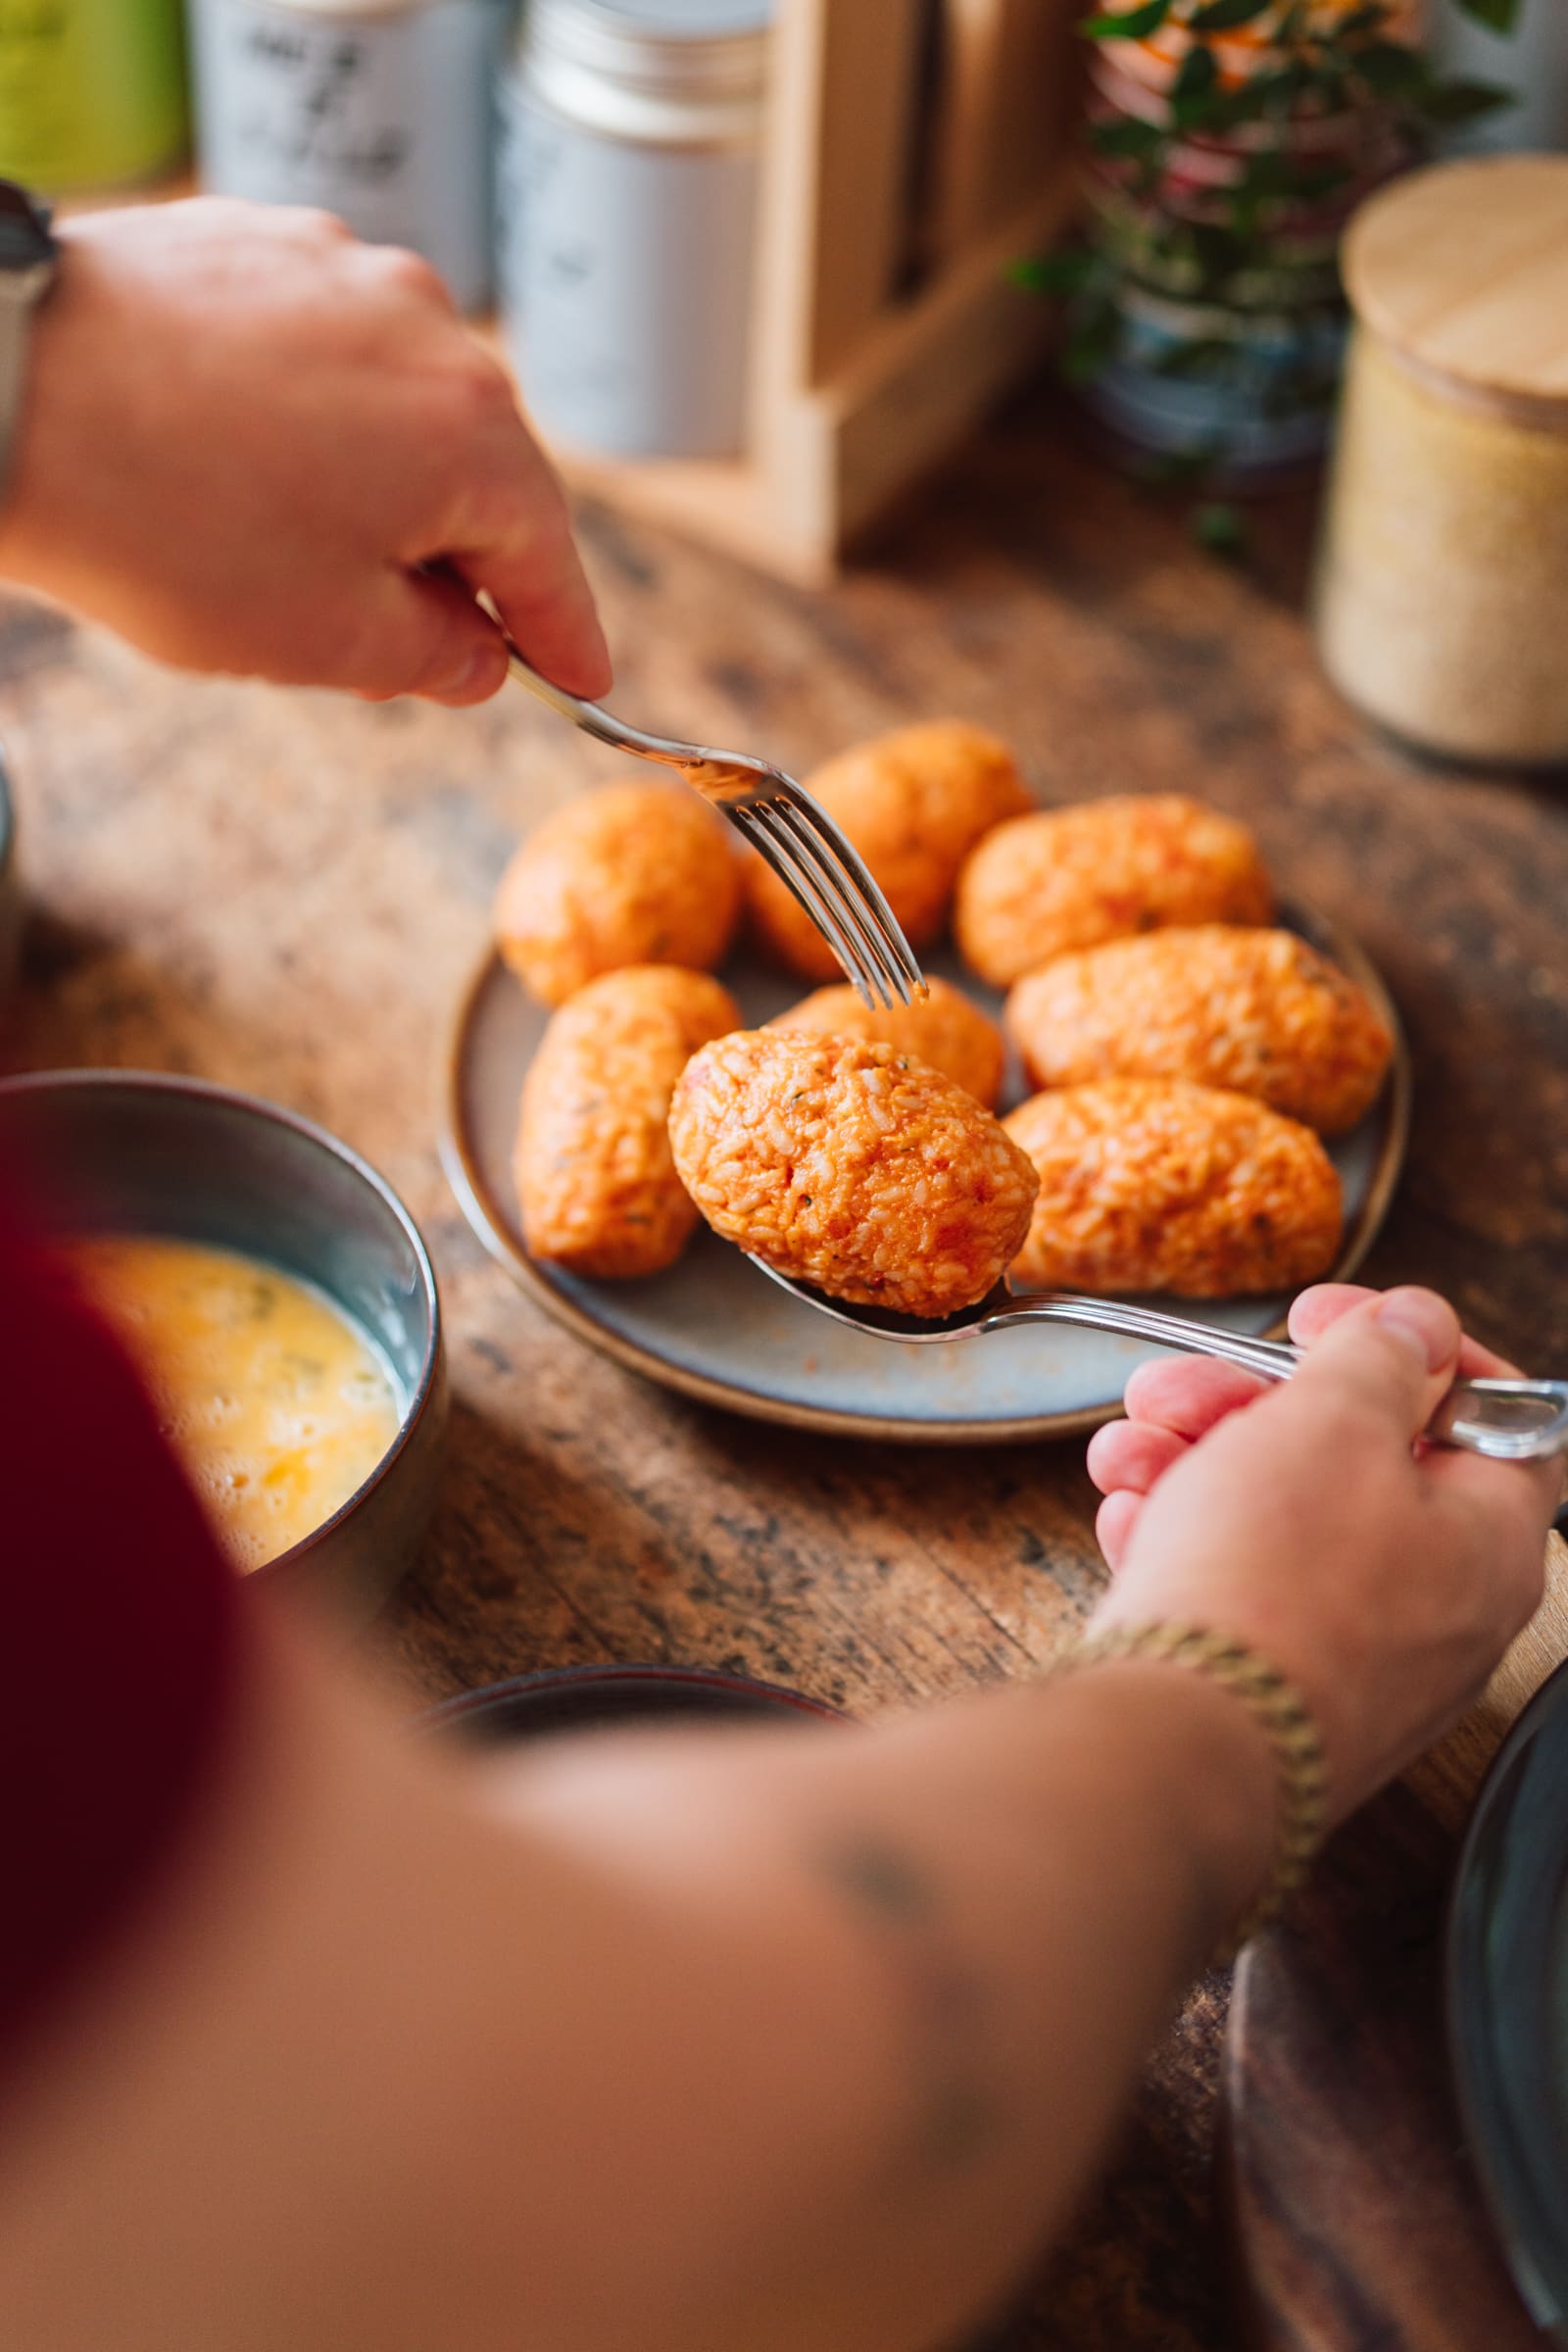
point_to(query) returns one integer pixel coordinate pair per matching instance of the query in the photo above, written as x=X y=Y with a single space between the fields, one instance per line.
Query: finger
x=526 y=558
x=1189 y=1393
x=1115 y=1522
x=1318 y=1309
x=1131 y=1456
x=1387 y=1359
x=426 y=637
x=1510 y=1507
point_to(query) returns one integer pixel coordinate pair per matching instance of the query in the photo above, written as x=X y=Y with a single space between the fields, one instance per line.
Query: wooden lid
x=1463 y=270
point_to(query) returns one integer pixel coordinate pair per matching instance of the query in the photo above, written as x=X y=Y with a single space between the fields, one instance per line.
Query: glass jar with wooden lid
x=1443 y=570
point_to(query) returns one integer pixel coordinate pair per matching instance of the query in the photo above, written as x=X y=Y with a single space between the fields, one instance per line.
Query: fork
x=788 y=829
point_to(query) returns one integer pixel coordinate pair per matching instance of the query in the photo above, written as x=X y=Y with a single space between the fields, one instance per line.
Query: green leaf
x=1197 y=73
x=1144 y=142
x=1500 y=15
x=1392 y=71
x=1066 y=272
x=1219 y=528
x=1462 y=101
x=1196 y=97
x=1220 y=16
x=1127 y=23
x=1095 y=341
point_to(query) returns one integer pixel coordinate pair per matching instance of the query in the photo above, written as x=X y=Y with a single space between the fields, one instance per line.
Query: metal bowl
x=135 y=1151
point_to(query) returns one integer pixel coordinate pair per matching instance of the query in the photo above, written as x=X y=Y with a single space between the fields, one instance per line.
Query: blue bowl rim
x=464 y=1704
x=164 y=1082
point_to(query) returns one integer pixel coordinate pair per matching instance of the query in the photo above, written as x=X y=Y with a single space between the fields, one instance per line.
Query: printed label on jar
x=382 y=120
x=625 y=279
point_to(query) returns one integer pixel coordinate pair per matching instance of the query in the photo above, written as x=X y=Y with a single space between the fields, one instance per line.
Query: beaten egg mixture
x=277 y=1406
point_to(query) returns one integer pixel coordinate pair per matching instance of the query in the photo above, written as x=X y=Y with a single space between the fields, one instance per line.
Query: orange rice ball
x=851 y=1167
x=943 y=1029
x=914 y=802
x=1150 y=1184
x=1068 y=878
x=596 y=1183
x=629 y=873
x=1260 y=1013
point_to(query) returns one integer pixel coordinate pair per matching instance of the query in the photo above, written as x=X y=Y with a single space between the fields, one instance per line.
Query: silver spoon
x=1511 y=1420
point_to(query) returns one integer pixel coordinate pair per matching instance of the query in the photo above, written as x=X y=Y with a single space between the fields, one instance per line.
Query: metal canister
x=630 y=151
x=380 y=111
x=92 y=92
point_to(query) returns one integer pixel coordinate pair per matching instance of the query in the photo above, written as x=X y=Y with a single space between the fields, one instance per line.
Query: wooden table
x=284 y=891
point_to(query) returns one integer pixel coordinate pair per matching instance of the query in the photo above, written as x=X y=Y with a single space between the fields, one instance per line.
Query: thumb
x=1393 y=1356
x=427 y=636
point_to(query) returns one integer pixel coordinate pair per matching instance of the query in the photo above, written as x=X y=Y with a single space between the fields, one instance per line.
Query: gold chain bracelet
x=1284 y=1716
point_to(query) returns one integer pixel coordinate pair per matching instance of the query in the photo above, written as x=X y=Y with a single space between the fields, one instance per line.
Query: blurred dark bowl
x=135 y=1151
x=10 y=883
x=586 y=1698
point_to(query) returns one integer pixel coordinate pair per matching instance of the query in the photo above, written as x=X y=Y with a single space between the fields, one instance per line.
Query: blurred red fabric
x=119 y=1639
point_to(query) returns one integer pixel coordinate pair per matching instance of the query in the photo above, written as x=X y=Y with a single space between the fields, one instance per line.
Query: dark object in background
x=10 y=886
x=1507 y=1986
x=589 y=1698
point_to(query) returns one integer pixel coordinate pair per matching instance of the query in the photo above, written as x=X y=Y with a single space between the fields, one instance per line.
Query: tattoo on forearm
x=961 y=2116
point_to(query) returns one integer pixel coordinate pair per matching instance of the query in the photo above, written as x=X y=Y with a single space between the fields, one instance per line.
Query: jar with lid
x=630 y=143
x=92 y=93
x=377 y=109
x=1442 y=596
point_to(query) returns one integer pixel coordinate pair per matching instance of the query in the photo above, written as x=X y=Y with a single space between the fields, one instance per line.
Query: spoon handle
x=1509 y=1420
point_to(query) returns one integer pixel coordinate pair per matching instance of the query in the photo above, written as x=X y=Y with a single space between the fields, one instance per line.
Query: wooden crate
x=915 y=147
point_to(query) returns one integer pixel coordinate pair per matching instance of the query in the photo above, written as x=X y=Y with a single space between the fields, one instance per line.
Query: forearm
x=782 y=2043
x=952 y=1944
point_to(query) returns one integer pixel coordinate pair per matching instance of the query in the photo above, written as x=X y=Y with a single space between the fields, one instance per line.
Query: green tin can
x=92 y=92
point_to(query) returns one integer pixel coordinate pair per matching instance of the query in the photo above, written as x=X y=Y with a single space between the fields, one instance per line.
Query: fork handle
x=1507 y=1420
x=699 y=771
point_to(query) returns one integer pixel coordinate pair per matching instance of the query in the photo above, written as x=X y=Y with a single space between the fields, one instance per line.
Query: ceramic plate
x=1508 y=1999
x=714 y=1327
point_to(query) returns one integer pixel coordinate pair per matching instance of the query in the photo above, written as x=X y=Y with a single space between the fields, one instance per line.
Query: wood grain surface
x=284 y=891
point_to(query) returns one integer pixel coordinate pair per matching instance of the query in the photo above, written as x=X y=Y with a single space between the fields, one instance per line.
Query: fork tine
x=875 y=923
x=874 y=967
x=816 y=857
x=831 y=838
x=751 y=821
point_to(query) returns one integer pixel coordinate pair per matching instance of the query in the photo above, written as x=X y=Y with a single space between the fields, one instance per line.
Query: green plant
x=1235 y=250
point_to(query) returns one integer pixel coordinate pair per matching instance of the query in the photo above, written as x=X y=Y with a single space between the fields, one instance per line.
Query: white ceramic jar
x=378 y=110
x=630 y=144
